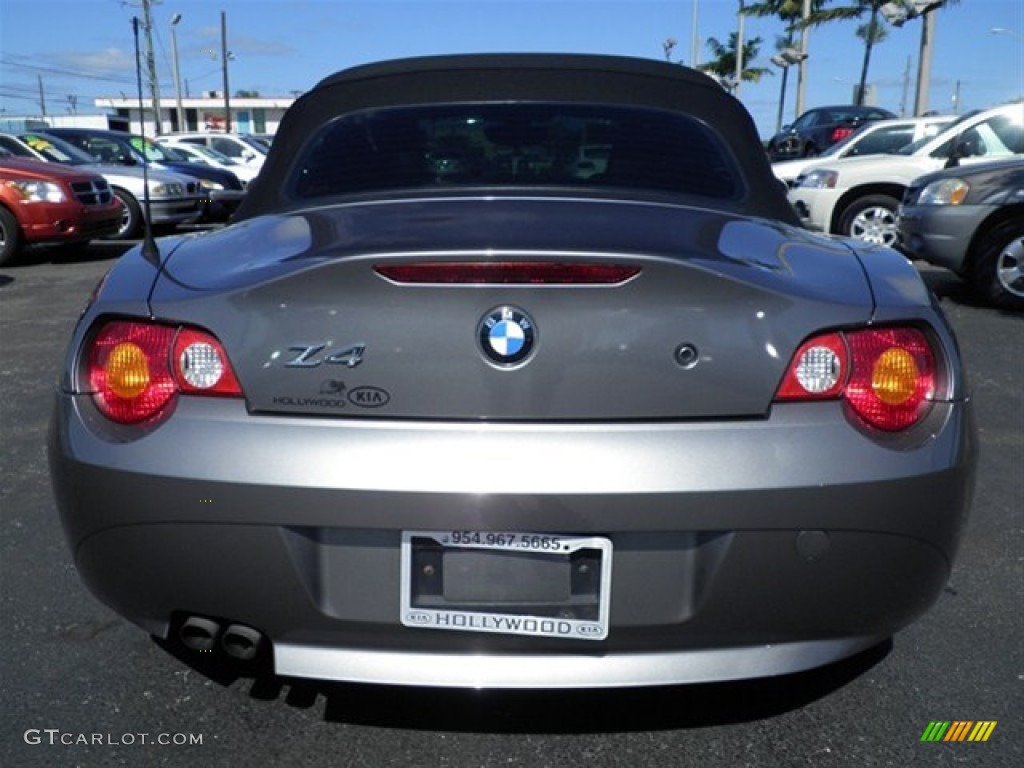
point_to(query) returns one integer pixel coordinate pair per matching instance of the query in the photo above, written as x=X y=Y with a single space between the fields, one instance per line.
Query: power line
x=64 y=72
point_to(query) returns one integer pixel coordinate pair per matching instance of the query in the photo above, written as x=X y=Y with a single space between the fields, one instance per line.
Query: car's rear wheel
x=131 y=217
x=10 y=237
x=872 y=218
x=999 y=270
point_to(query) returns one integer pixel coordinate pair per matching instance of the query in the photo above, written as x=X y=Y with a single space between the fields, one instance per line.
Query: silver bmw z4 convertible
x=515 y=371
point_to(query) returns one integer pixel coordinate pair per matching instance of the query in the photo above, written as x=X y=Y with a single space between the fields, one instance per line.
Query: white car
x=203 y=155
x=237 y=147
x=859 y=196
x=879 y=137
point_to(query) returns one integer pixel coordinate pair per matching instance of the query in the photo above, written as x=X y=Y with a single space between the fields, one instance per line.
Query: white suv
x=236 y=146
x=859 y=196
x=877 y=137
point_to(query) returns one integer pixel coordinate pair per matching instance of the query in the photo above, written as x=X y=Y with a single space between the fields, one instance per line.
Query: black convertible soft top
x=578 y=78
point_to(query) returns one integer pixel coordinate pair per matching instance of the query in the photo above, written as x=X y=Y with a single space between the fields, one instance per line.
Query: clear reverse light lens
x=819 y=369
x=201 y=365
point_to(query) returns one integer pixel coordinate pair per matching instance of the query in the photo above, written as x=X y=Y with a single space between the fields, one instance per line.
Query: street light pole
x=801 y=76
x=224 y=59
x=177 y=74
x=784 y=59
x=784 y=65
x=694 y=39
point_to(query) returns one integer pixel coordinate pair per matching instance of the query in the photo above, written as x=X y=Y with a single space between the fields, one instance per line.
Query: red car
x=48 y=203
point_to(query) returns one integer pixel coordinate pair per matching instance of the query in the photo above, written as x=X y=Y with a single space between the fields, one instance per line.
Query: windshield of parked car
x=57 y=150
x=153 y=152
x=516 y=145
x=911 y=148
x=256 y=143
x=884 y=141
x=207 y=152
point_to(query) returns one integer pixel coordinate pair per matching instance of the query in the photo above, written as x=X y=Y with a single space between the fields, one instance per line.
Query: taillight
x=840 y=133
x=136 y=369
x=887 y=375
x=892 y=381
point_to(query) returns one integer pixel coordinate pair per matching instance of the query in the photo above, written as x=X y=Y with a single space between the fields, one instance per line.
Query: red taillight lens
x=887 y=375
x=838 y=134
x=136 y=369
x=893 y=377
x=508 y=273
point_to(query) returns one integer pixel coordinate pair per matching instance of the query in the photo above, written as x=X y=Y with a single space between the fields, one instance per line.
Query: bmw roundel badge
x=507 y=335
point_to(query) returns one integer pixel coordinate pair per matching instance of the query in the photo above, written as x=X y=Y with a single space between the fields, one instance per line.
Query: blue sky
x=83 y=48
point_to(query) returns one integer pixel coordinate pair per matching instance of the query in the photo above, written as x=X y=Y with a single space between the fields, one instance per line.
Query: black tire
x=998 y=273
x=131 y=218
x=872 y=219
x=810 y=150
x=10 y=237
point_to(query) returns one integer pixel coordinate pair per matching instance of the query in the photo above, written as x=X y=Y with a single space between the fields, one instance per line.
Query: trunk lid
x=703 y=329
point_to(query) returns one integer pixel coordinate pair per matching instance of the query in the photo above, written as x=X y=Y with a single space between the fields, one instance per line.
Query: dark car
x=818 y=129
x=449 y=405
x=970 y=219
x=223 y=189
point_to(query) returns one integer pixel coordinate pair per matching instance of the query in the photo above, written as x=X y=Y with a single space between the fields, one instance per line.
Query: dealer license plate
x=540 y=584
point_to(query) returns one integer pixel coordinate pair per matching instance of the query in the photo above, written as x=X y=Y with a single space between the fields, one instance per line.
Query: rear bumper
x=740 y=549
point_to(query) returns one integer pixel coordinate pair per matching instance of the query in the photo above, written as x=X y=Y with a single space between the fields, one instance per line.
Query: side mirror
x=961 y=149
x=126 y=160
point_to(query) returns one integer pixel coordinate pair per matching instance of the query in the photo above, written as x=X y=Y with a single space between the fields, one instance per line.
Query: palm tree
x=872 y=33
x=723 y=61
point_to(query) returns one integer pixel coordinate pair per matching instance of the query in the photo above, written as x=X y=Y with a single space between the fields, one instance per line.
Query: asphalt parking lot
x=81 y=687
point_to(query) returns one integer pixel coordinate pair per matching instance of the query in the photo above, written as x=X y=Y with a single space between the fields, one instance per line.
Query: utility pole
x=224 y=60
x=924 y=65
x=906 y=89
x=42 y=96
x=180 y=113
x=154 y=83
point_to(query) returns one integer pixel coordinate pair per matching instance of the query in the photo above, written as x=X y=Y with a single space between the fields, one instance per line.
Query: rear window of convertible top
x=515 y=144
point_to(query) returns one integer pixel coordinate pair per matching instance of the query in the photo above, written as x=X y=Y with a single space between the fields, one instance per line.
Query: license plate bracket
x=539 y=584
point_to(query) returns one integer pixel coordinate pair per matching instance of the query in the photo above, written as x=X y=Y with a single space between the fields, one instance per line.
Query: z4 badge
x=307 y=356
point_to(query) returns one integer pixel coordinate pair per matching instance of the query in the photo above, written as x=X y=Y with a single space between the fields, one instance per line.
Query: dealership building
x=205 y=113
